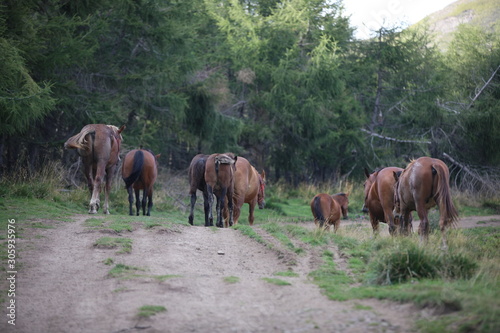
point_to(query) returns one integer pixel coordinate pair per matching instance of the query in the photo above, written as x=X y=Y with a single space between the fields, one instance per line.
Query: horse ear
x=121 y=129
x=157 y=156
x=367 y=174
x=263 y=175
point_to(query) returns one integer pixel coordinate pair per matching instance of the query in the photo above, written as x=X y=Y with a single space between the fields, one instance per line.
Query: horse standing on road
x=196 y=175
x=219 y=176
x=249 y=187
x=139 y=171
x=327 y=209
x=99 y=147
x=379 y=198
x=423 y=184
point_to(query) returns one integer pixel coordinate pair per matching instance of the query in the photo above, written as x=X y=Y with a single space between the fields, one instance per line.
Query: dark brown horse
x=139 y=171
x=327 y=209
x=99 y=147
x=379 y=198
x=423 y=184
x=196 y=174
x=249 y=187
x=219 y=176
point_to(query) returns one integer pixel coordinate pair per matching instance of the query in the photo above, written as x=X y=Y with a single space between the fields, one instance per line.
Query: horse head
x=370 y=180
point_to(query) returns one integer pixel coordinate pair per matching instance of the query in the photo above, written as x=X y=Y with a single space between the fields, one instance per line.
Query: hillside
x=443 y=23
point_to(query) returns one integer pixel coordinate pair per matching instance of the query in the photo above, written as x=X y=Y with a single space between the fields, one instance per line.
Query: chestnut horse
x=249 y=187
x=219 y=176
x=379 y=198
x=196 y=175
x=99 y=147
x=327 y=209
x=423 y=184
x=139 y=171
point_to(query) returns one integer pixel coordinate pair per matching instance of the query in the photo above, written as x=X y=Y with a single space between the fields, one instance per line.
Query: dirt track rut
x=64 y=286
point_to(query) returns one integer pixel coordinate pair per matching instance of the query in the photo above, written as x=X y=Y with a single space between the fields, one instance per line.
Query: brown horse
x=99 y=147
x=327 y=209
x=219 y=176
x=423 y=184
x=249 y=187
x=139 y=171
x=379 y=198
x=196 y=174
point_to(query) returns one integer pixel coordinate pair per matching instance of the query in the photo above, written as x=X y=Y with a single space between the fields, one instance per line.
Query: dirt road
x=65 y=285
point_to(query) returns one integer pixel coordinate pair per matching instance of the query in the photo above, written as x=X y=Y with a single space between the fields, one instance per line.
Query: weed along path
x=82 y=276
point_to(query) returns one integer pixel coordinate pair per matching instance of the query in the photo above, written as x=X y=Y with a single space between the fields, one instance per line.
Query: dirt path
x=64 y=286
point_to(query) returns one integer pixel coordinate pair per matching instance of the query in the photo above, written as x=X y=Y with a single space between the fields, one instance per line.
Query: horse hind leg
x=210 y=218
x=193 y=203
x=423 y=228
x=144 y=201
x=150 y=201
x=138 y=201
x=130 y=200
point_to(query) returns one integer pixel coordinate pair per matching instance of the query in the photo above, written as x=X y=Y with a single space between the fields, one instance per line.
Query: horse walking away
x=327 y=209
x=249 y=187
x=99 y=147
x=196 y=173
x=423 y=184
x=139 y=171
x=219 y=177
x=379 y=198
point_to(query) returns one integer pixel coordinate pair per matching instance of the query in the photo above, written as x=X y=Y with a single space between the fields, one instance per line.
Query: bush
x=407 y=261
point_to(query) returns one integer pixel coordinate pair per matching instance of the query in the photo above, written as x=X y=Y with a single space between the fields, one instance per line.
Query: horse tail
x=443 y=194
x=78 y=141
x=136 y=169
x=318 y=213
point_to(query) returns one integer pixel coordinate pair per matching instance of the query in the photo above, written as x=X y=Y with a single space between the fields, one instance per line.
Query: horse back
x=219 y=171
x=325 y=208
x=246 y=183
x=196 y=173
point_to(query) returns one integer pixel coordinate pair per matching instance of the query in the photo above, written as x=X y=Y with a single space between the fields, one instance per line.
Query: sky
x=369 y=15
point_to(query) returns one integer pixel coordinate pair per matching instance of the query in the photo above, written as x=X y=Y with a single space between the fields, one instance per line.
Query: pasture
x=118 y=273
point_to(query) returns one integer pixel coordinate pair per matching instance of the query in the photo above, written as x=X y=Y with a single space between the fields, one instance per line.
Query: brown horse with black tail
x=99 y=147
x=327 y=209
x=139 y=171
x=219 y=176
x=379 y=198
x=196 y=175
x=423 y=184
x=249 y=187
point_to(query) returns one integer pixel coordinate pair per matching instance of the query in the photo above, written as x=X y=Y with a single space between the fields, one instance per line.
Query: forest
x=284 y=83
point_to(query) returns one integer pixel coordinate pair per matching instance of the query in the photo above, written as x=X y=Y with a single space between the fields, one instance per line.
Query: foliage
x=283 y=83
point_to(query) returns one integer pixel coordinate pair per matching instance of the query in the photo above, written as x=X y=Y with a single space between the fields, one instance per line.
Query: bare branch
x=484 y=87
x=392 y=139
x=476 y=177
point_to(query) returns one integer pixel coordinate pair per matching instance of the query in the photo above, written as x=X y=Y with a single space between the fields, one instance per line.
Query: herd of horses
x=391 y=194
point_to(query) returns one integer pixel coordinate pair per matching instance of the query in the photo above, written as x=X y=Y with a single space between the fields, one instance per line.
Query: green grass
x=123 y=244
x=231 y=279
x=287 y=273
x=278 y=282
x=164 y=277
x=123 y=271
x=147 y=311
